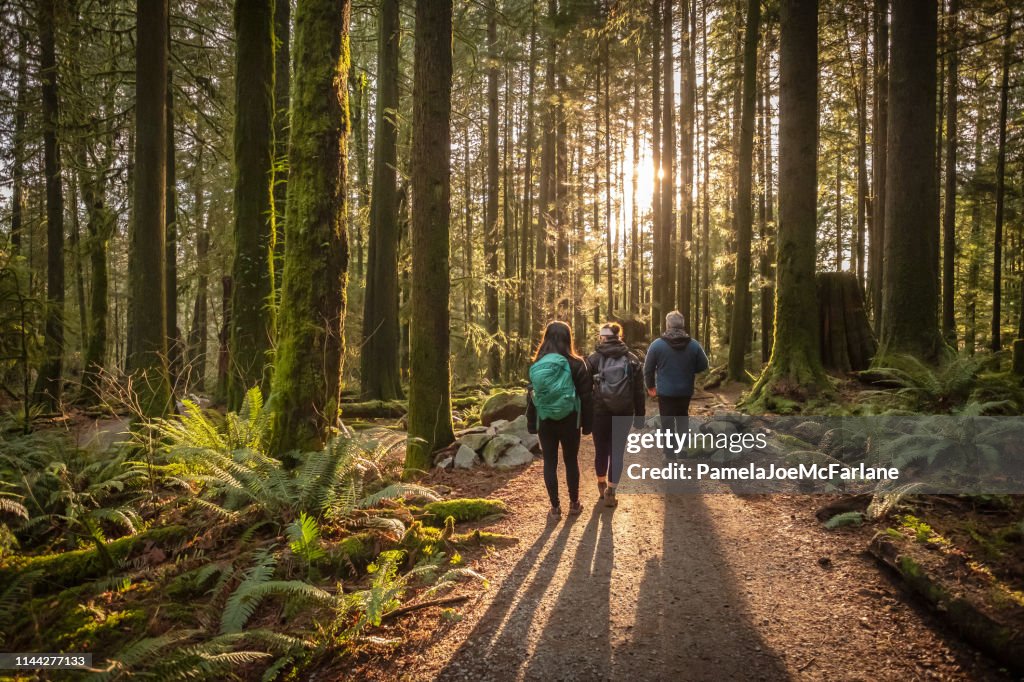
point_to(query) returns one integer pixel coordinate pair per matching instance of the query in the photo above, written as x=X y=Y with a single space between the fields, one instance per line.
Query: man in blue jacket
x=672 y=363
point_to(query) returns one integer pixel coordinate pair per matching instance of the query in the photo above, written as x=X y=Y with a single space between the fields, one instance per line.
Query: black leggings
x=609 y=445
x=565 y=432
x=674 y=411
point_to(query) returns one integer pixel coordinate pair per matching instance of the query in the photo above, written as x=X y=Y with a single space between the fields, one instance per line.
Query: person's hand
x=639 y=422
x=652 y=392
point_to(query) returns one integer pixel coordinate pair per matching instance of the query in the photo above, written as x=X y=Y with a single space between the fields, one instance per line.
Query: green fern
x=304 y=534
x=853 y=518
x=241 y=605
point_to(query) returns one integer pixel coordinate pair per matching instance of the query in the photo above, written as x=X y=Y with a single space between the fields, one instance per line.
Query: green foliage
x=236 y=476
x=463 y=509
x=304 y=534
x=957 y=385
x=852 y=518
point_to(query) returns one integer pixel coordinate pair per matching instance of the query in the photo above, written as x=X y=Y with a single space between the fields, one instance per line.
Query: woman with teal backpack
x=559 y=405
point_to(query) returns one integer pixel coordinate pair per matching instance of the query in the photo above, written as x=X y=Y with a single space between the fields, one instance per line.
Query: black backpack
x=613 y=384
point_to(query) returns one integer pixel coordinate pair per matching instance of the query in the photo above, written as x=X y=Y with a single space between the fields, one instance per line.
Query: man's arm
x=701 y=361
x=651 y=365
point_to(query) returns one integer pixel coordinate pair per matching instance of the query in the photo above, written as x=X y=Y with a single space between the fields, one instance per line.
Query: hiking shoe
x=601 y=486
x=555 y=514
x=609 y=498
x=575 y=508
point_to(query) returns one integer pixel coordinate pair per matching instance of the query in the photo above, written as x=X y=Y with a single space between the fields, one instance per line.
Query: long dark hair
x=557 y=339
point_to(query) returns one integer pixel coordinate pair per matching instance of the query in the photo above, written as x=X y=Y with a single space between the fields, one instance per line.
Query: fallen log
x=374 y=409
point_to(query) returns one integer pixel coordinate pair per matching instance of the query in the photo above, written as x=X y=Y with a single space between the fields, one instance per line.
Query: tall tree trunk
x=657 y=219
x=252 y=271
x=559 y=302
x=379 y=372
x=306 y=388
x=197 y=335
x=147 y=328
x=949 y=208
x=282 y=85
x=976 y=245
x=909 y=319
x=606 y=66
x=76 y=250
x=171 y=246
x=879 y=148
x=795 y=366
x=18 y=151
x=48 y=383
x=741 y=311
x=634 y=227
x=526 y=292
x=687 y=111
x=666 y=276
x=997 y=260
x=493 y=189
x=545 y=224
x=430 y=409
x=767 y=260
x=706 y=206
x=862 y=154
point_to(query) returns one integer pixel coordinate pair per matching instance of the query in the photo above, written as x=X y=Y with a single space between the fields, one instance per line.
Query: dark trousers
x=609 y=445
x=553 y=433
x=674 y=411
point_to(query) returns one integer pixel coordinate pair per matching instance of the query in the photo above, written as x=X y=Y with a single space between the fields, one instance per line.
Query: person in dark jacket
x=618 y=396
x=564 y=431
x=673 y=361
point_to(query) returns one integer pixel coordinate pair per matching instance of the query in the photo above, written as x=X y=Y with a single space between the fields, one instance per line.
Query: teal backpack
x=554 y=393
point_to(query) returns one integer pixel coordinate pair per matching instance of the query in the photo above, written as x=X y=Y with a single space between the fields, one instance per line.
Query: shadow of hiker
x=576 y=640
x=691 y=617
x=499 y=640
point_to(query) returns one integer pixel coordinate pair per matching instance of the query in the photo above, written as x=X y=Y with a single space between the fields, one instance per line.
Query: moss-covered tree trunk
x=282 y=86
x=794 y=368
x=197 y=342
x=949 y=200
x=306 y=389
x=48 y=383
x=911 y=295
x=147 y=328
x=379 y=371
x=18 y=143
x=252 y=271
x=741 y=310
x=430 y=410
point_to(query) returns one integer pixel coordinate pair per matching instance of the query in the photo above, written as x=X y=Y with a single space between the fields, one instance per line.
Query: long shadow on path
x=647 y=593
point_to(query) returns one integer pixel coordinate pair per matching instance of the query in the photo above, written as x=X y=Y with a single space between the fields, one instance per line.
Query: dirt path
x=687 y=587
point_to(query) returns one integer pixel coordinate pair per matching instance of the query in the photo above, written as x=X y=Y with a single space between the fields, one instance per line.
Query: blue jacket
x=672 y=362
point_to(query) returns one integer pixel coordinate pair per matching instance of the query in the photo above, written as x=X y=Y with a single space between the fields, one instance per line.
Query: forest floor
x=689 y=587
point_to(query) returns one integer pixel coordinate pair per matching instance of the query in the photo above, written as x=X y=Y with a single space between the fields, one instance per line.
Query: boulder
x=473 y=429
x=811 y=432
x=504 y=405
x=445 y=463
x=497 y=447
x=465 y=458
x=476 y=441
x=515 y=456
x=498 y=424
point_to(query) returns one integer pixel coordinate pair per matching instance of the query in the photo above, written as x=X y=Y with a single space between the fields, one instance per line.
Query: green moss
x=78 y=566
x=480 y=537
x=463 y=510
x=99 y=629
